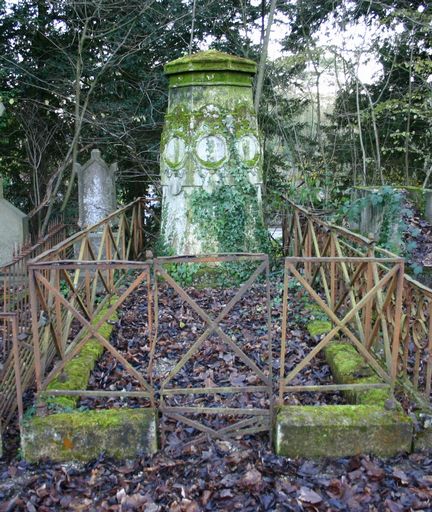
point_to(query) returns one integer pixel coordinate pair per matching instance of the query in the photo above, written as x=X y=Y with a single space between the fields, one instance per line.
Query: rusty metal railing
x=356 y=312
x=70 y=282
x=242 y=420
x=77 y=308
x=308 y=236
x=15 y=313
x=17 y=368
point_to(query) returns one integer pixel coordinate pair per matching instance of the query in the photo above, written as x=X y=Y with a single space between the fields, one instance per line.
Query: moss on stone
x=214 y=78
x=319 y=327
x=341 y=430
x=210 y=60
x=76 y=372
x=349 y=367
x=83 y=436
x=219 y=202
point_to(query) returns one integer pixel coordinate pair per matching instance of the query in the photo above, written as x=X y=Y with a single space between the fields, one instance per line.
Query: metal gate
x=242 y=420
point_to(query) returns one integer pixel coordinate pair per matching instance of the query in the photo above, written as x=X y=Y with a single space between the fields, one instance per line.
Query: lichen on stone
x=211 y=161
x=341 y=430
x=83 y=436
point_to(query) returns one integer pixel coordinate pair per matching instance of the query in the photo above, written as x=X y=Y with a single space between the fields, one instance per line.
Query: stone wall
x=13 y=228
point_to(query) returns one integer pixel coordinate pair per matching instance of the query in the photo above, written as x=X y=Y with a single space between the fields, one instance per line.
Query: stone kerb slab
x=13 y=228
x=83 y=436
x=364 y=425
x=73 y=435
x=96 y=189
x=341 y=430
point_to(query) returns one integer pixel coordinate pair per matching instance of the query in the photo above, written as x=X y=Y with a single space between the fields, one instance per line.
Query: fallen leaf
x=309 y=496
x=252 y=479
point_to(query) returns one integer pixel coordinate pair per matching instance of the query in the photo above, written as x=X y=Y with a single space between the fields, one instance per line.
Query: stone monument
x=211 y=158
x=96 y=189
x=13 y=228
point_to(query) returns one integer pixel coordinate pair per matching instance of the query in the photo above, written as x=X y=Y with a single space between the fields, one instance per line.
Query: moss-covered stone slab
x=341 y=430
x=84 y=436
x=349 y=367
x=423 y=441
x=210 y=60
x=319 y=327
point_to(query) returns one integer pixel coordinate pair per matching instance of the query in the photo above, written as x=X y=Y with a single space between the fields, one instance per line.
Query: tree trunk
x=263 y=58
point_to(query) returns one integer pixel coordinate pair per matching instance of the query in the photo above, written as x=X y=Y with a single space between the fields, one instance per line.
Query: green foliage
x=184 y=273
x=227 y=214
x=212 y=275
x=64 y=288
x=396 y=233
x=117 y=49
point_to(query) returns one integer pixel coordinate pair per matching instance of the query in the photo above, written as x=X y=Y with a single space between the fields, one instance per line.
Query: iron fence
x=15 y=321
x=306 y=235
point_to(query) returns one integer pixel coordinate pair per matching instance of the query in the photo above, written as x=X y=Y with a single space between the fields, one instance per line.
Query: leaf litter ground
x=242 y=474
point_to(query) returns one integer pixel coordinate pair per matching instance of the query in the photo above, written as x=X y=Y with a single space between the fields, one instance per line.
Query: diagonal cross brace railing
x=213 y=327
x=37 y=280
x=393 y=276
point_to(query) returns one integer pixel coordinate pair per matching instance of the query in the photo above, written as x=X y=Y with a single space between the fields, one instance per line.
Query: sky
x=352 y=43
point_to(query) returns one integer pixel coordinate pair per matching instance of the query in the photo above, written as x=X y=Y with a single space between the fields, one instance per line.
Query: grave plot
x=209 y=359
x=178 y=325
x=212 y=347
x=224 y=379
x=360 y=345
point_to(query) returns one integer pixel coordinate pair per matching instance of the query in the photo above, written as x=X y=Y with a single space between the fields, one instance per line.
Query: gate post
x=35 y=329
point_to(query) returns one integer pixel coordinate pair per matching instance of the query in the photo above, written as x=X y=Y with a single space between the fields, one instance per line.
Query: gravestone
x=371 y=217
x=96 y=189
x=13 y=224
x=211 y=157
x=13 y=228
x=428 y=205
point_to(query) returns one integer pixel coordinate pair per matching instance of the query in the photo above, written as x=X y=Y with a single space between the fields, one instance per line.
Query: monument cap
x=210 y=68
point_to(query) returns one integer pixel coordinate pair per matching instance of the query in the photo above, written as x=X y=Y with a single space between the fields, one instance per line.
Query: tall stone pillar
x=211 y=158
x=96 y=189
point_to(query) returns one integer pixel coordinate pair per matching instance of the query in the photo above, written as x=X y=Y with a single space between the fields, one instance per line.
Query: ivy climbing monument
x=211 y=158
